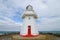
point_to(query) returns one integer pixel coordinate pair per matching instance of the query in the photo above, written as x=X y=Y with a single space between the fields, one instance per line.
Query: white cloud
x=8 y=8
x=7 y=11
x=49 y=24
x=10 y=27
x=38 y=6
x=4 y=10
x=48 y=12
x=54 y=7
x=6 y=24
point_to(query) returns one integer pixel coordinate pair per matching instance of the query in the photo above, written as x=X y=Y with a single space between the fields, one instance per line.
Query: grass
x=42 y=36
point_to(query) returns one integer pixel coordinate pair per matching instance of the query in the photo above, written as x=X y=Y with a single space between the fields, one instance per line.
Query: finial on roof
x=29 y=7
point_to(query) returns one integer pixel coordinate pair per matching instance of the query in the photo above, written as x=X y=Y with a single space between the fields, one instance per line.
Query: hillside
x=18 y=37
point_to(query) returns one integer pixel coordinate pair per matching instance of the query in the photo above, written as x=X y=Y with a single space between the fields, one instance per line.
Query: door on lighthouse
x=29 y=30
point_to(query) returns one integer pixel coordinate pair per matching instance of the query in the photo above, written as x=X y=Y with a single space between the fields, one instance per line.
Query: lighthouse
x=29 y=27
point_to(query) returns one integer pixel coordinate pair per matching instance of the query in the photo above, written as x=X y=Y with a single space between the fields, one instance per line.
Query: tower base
x=29 y=35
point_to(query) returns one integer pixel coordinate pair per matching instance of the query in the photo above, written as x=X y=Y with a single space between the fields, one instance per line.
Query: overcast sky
x=48 y=12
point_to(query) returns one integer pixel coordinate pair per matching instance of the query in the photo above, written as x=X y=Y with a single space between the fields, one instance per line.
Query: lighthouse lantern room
x=29 y=27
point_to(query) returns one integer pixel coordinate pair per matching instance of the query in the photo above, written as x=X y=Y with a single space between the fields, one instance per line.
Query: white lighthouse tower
x=29 y=27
